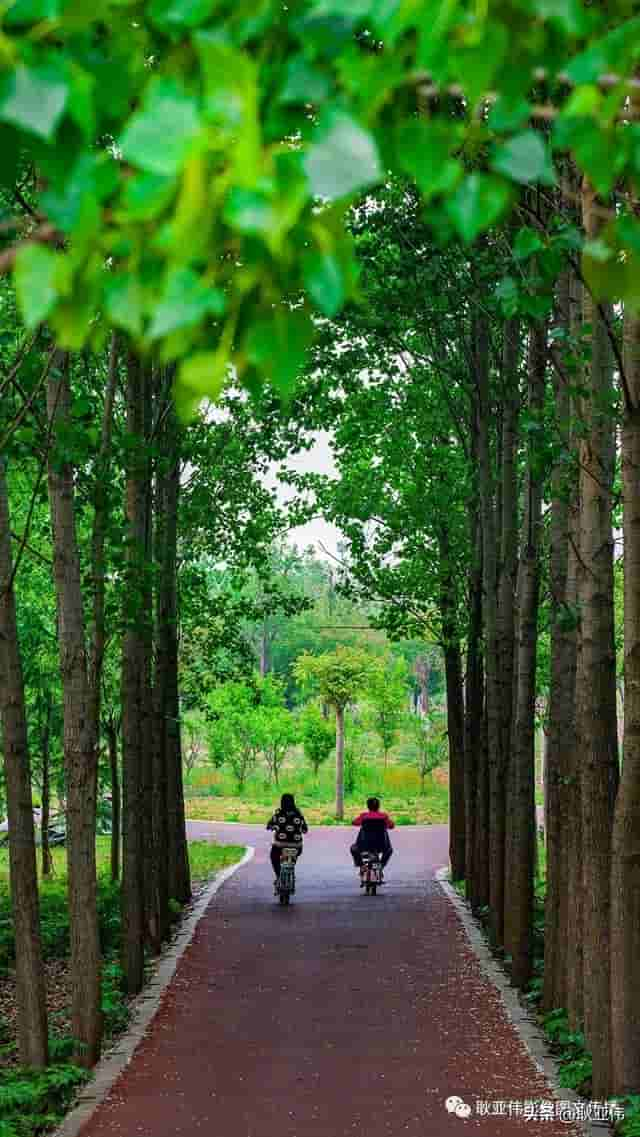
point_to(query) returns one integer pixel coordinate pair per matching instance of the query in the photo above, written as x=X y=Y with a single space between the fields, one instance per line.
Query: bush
x=34 y=1100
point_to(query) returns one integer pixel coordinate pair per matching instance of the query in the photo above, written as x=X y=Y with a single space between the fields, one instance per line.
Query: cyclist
x=374 y=833
x=288 y=825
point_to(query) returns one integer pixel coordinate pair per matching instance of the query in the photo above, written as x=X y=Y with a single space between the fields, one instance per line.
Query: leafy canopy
x=339 y=675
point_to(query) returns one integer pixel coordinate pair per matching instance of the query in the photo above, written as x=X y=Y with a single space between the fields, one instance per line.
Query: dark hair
x=373 y=803
x=287 y=803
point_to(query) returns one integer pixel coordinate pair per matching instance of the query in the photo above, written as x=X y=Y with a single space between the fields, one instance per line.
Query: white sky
x=318 y=460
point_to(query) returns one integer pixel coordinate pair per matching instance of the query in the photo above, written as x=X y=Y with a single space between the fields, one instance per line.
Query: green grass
x=205 y=858
x=212 y=794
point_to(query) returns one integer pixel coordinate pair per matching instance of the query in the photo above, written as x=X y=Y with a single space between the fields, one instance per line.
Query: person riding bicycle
x=288 y=825
x=374 y=833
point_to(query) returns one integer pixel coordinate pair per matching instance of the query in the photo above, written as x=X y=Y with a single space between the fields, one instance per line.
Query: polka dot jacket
x=287 y=827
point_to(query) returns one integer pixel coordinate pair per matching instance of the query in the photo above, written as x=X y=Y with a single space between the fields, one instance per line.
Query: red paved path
x=340 y=1016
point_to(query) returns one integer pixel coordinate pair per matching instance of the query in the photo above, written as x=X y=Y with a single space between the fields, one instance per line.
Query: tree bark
x=112 y=743
x=30 y=984
x=508 y=566
x=561 y=720
x=80 y=735
x=455 y=708
x=490 y=618
x=133 y=663
x=151 y=862
x=521 y=828
x=179 y=873
x=340 y=763
x=98 y=539
x=45 y=741
x=483 y=811
x=625 y=861
x=597 y=706
x=572 y=898
x=473 y=722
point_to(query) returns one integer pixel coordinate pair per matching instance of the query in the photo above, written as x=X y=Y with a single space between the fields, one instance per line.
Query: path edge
x=145 y=1007
x=529 y=1033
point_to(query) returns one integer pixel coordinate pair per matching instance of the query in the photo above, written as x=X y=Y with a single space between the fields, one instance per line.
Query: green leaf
x=478 y=65
x=185 y=302
x=304 y=83
x=125 y=303
x=76 y=208
x=508 y=114
x=202 y=375
x=618 y=50
x=343 y=160
x=146 y=195
x=231 y=101
x=35 y=280
x=162 y=135
x=599 y=153
x=527 y=242
x=250 y=211
x=324 y=281
x=525 y=158
x=34 y=99
x=31 y=12
x=567 y=14
x=477 y=204
x=181 y=14
x=616 y=276
x=276 y=346
x=424 y=151
x=508 y=294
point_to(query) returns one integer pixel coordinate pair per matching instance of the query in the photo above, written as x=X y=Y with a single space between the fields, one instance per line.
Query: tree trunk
x=597 y=706
x=508 y=567
x=490 y=616
x=340 y=763
x=97 y=638
x=560 y=732
x=151 y=860
x=473 y=722
x=112 y=743
x=179 y=873
x=30 y=985
x=455 y=708
x=483 y=812
x=521 y=828
x=455 y=730
x=625 y=862
x=133 y=662
x=45 y=740
x=571 y=905
x=80 y=738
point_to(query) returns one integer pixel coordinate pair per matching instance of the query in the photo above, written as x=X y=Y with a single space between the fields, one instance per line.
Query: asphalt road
x=340 y=1016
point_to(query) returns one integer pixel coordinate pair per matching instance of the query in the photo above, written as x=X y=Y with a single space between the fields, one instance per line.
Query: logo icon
x=455 y=1104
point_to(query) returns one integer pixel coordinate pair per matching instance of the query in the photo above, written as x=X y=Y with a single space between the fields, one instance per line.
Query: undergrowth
x=568 y=1046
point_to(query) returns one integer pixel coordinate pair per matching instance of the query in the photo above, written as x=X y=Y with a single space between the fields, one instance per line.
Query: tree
x=428 y=740
x=30 y=986
x=233 y=728
x=80 y=728
x=276 y=727
x=340 y=677
x=386 y=693
x=318 y=736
